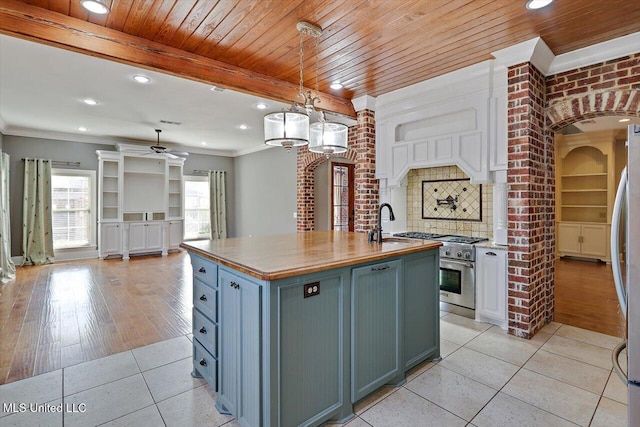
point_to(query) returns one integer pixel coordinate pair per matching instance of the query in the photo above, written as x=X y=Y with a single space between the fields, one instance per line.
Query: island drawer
x=205 y=270
x=205 y=364
x=205 y=331
x=205 y=299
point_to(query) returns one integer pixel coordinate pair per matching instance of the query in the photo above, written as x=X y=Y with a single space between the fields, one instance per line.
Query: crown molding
x=611 y=49
x=535 y=51
x=538 y=53
x=365 y=102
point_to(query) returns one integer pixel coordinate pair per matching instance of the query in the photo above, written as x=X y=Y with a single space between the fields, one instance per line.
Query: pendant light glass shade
x=286 y=129
x=328 y=138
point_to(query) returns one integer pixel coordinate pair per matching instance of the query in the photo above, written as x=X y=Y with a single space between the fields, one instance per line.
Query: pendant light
x=328 y=137
x=290 y=128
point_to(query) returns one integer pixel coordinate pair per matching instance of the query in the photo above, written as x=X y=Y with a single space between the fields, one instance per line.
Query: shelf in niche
x=584 y=206
x=110 y=176
x=110 y=191
x=576 y=175
x=585 y=190
x=110 y=207
x=144 y=172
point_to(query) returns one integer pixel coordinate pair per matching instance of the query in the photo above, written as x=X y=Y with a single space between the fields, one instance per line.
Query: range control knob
x=467 y=255
x=459 y=254
x=447 y=252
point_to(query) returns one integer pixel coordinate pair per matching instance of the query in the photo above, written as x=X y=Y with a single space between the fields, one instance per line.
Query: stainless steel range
x=457 y=271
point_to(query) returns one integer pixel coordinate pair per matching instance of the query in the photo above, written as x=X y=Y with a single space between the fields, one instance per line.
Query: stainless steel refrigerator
x=626 y=220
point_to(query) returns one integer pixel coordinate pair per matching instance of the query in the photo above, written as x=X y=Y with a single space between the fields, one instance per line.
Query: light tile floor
x=562 y=377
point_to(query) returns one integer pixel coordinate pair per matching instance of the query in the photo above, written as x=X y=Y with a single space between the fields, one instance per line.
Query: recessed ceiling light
x=243 y=126
x=95 y=6
x=83 y=129
x=262 y=106
x=203 y=143
x=538 y=4
x=141 y=79
x=90 y=101
x=624 y=120
x=336 y=85
x=216 y=89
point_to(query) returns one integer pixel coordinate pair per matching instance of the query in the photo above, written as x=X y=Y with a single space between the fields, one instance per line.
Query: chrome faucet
x=377 y=232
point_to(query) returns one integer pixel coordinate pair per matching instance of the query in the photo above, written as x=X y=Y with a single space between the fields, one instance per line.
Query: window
x=197 y=223
x=73 y=203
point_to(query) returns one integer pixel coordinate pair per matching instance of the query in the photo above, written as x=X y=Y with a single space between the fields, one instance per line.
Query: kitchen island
x=293 y=329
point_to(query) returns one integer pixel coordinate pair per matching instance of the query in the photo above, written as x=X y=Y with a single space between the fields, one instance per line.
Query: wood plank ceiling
x=371 y=46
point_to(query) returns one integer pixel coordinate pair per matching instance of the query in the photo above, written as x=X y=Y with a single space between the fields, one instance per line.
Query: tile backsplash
x=415 y=221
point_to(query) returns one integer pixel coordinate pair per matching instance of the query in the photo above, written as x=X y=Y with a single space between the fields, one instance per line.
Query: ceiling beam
x=55 y=29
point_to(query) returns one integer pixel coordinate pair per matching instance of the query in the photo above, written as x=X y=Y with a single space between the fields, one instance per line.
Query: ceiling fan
x=160 y=149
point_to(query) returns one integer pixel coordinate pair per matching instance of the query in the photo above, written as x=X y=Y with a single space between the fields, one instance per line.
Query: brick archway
x=538 y=107
x=362 y=145
x=568 y=110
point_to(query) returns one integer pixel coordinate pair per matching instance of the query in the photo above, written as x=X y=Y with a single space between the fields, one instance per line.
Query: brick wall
x=538 y=107
x=361 y=140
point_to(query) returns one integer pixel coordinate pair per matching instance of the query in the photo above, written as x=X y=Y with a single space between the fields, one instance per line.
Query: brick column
x=367 y=194
x=527 y=201
x=362 y=151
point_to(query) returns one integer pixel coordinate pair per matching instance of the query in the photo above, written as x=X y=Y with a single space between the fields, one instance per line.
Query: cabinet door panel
x=250 y=367
x=229 y=349
x=491 y=284
x=137 y=237
x=153 y=238
x=376 y=327
x=568 y=238
x=421 y=295
x=311 y=345
x=594 y=240
x=111 y=239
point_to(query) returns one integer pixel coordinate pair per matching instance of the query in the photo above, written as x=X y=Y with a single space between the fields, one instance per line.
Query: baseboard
x=66 y=255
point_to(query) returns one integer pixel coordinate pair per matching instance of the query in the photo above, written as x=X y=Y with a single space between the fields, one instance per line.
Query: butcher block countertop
x=288 y=255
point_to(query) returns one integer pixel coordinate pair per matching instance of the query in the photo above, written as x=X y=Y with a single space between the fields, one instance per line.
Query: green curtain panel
x=37 y=233
x=7 y=267
x=218 y=204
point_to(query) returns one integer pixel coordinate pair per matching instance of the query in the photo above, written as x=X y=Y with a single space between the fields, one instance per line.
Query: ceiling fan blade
x=179 y=153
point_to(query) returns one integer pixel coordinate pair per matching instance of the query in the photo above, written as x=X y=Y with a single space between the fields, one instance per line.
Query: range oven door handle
x=449 y=261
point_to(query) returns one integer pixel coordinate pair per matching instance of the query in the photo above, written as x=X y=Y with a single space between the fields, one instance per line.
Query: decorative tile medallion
x=452 y=199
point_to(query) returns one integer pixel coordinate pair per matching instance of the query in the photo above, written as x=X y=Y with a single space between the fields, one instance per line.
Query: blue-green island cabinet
x=302 y=350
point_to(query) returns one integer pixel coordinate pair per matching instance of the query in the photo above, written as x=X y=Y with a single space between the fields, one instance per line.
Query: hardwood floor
x=58 y=315
x=586 y=297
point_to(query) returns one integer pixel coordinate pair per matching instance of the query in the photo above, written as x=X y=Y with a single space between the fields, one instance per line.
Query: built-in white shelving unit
x=140 y=203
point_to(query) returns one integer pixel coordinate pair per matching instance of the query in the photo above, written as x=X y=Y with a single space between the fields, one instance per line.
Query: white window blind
x=72 y=194
x=197 y=223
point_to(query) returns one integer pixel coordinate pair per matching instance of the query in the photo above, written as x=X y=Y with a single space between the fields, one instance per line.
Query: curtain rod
x=60 y=163
x=203 y=172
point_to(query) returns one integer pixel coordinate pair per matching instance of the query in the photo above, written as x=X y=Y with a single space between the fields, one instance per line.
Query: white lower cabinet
x=175 y=234
x=144 y=237
x=110 y=239
x=585 y=240
x=491 y=286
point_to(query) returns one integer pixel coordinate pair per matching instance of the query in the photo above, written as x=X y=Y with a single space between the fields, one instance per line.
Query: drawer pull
x=379 y=268
x=203 y=362
x=202 y=270
x=234 y=285
x=203 y=297
x=491 y=253
x=203 y=330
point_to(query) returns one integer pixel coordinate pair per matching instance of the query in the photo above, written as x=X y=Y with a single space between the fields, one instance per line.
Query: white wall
x=265 y=192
